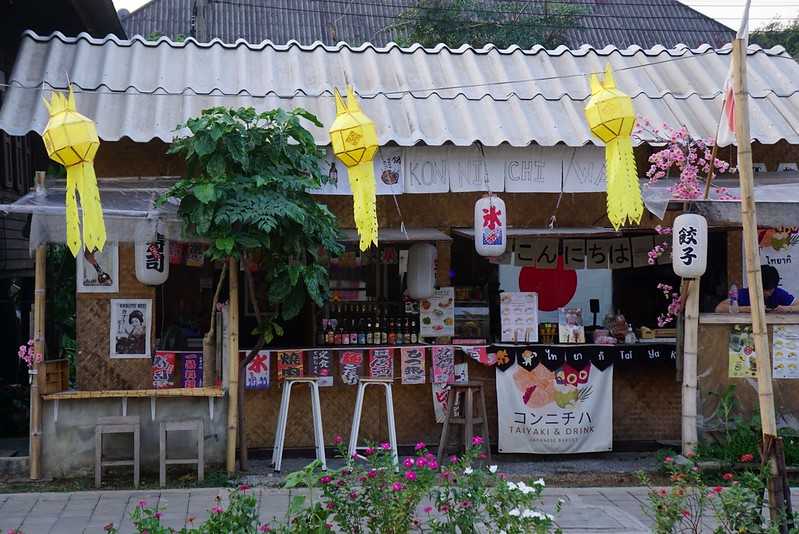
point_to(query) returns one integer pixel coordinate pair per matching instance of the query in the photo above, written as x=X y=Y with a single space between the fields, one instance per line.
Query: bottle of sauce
x=330 y=335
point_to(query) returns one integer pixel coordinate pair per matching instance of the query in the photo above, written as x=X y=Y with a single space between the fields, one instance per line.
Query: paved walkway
x=586 y=510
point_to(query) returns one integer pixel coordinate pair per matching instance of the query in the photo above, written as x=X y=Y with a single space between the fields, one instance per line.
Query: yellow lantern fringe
x=71 y=140
x=611 y=117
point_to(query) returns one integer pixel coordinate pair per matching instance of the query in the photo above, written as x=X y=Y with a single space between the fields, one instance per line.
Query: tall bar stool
x=189 y=425
x=356 y=417
x=282 y=420
x=128 y=424
x=467 y=419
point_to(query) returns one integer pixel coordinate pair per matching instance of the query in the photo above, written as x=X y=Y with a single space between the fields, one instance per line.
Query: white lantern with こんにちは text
x=490 y=226
x=152 y=261
x=689 y=245
x=421 y=270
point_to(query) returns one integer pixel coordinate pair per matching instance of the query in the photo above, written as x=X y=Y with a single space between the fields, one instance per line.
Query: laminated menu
x=437 y=314
x=786 y=351
x=519 y=313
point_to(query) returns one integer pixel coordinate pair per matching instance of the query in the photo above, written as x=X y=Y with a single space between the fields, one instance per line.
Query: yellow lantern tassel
x=354 y=139
x=611 y=118
x=71 y=140
x=624 y=193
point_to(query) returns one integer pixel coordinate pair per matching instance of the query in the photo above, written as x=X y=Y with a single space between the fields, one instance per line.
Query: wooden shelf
x=746 y=318
x=136 y=393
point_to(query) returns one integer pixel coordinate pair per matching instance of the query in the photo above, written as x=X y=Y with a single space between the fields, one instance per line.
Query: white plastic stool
x=356 y=417
x=282 y=420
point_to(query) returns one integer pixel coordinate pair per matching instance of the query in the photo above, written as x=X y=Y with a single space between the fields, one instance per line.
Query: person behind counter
x=777 y=299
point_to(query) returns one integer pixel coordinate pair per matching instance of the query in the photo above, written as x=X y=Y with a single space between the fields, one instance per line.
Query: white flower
x=561 y=501
x=468 y=471
x=524 y=488
x=502 y=532
x=533 y=514
x=550 y=517
x=515 y=512
x=540 y=482
x=512 y=486
x=492 y=468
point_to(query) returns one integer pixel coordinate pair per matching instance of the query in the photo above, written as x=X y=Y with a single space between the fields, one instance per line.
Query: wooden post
x=233 y=364
x=754 y=280
x=38 y=348
x=689 y=381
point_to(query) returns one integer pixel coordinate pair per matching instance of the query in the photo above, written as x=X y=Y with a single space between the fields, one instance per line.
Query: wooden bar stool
x=282 y=420
x=356 y=417
x=468 y=419
x=116 y=425
x=195 y=425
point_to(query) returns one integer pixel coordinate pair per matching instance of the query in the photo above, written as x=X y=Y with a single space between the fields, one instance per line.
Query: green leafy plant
x=246 y=191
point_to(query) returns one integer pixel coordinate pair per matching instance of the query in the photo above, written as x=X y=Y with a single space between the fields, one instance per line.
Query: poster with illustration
x=779 y=247
x=570 y=325
x=569 y=410
x=257 y=372
x=98 y=271
x=351 y=366
x=437 y=314
x=163 y=369
x=742 y=352
x=320 y=362
x=191 y=374
x=130 y=328
x=289 y=363
x=381 y=363
x=412 y=365
x=440 y=395
x=461 y=371
x=443 y=359
x=519 y=316
x=785 y=351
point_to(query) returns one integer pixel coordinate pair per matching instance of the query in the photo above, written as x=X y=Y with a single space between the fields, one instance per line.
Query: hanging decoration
x=611 y=118
x=71 y=140
x=354 y=140
x=421 y=270
x=689 y=245
x=152 y=261
x=490 y=226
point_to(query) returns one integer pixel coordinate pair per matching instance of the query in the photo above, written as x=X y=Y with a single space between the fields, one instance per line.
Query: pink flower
x=727 y=476
x=244 y=487
x=477 y=440
x=686 y=513
x=408 y=462
x=353 y=495
x=330 y=506
x=369 y=451
x=142 y=503
x=157 y=515
x=421 y=462
x=396 y=486
x=217 y=510
x=325 y=479
x=420 y=446
x=668 y=460
x=466 y=504
x=338 y=440
x=264 y=528
x=432 y=464
x=428 y=509
x=717 y=490
x=372 y=473
x=385 y=446
x=410 y=475
x=453 y=459
x=748 y=457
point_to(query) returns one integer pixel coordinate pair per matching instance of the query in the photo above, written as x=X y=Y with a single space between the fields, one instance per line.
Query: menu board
x=742 y=353
x=519 y=312
x=786 y=351
x=437 y=314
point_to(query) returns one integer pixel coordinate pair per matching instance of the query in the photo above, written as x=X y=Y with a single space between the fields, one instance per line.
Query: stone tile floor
x=600 y=510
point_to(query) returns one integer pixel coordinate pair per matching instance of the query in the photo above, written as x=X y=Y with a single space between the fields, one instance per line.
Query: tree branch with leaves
x=246 y=192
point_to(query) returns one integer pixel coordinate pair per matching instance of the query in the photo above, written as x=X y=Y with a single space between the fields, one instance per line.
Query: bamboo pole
x=754 y=280
x=233 y=364
x=689 y=379
x=39 y=295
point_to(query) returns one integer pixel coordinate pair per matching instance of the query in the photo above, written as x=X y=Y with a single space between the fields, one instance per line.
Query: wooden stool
x=116 y=425
x=282 y=420
x=356 y=417
x=195 y=425
x=468 y=420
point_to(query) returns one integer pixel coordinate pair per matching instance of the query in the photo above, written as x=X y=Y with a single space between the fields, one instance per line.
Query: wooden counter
x=746 y=318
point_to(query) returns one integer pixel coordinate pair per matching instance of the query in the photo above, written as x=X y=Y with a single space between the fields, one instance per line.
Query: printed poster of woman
x=131 y=327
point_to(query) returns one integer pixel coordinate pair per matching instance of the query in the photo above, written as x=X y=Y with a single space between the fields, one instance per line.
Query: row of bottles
x=365 y=324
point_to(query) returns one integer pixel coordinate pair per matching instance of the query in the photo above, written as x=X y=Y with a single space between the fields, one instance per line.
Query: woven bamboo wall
x=95 y=369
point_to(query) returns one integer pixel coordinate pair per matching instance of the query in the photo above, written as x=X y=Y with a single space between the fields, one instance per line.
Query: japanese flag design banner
x=569 y=410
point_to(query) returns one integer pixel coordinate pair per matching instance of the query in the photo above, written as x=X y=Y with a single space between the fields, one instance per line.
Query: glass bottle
x=392 y=333
x=384 y=332
x=376 y=333
x=370 y=335
x=414 y=332
x=330 y=335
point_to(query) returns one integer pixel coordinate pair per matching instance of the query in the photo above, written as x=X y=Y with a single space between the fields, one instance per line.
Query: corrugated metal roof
x=620 y=23
x=142 y=89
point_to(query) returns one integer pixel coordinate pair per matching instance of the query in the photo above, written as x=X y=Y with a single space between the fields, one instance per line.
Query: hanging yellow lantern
x=71 y=140
x=611 y=117
x=354 y=140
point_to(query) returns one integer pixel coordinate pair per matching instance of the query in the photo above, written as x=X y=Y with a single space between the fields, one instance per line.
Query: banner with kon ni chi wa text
x=569 y=410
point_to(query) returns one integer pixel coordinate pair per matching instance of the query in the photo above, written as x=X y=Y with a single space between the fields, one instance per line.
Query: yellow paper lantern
x=71 y=140
x=611 y=118
x=354 y=140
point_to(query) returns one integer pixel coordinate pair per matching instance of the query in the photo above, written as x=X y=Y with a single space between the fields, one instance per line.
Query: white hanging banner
x=584 y=170
x=532 y=169
x=426 y=170
x=545 y=412
x=388 y=174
